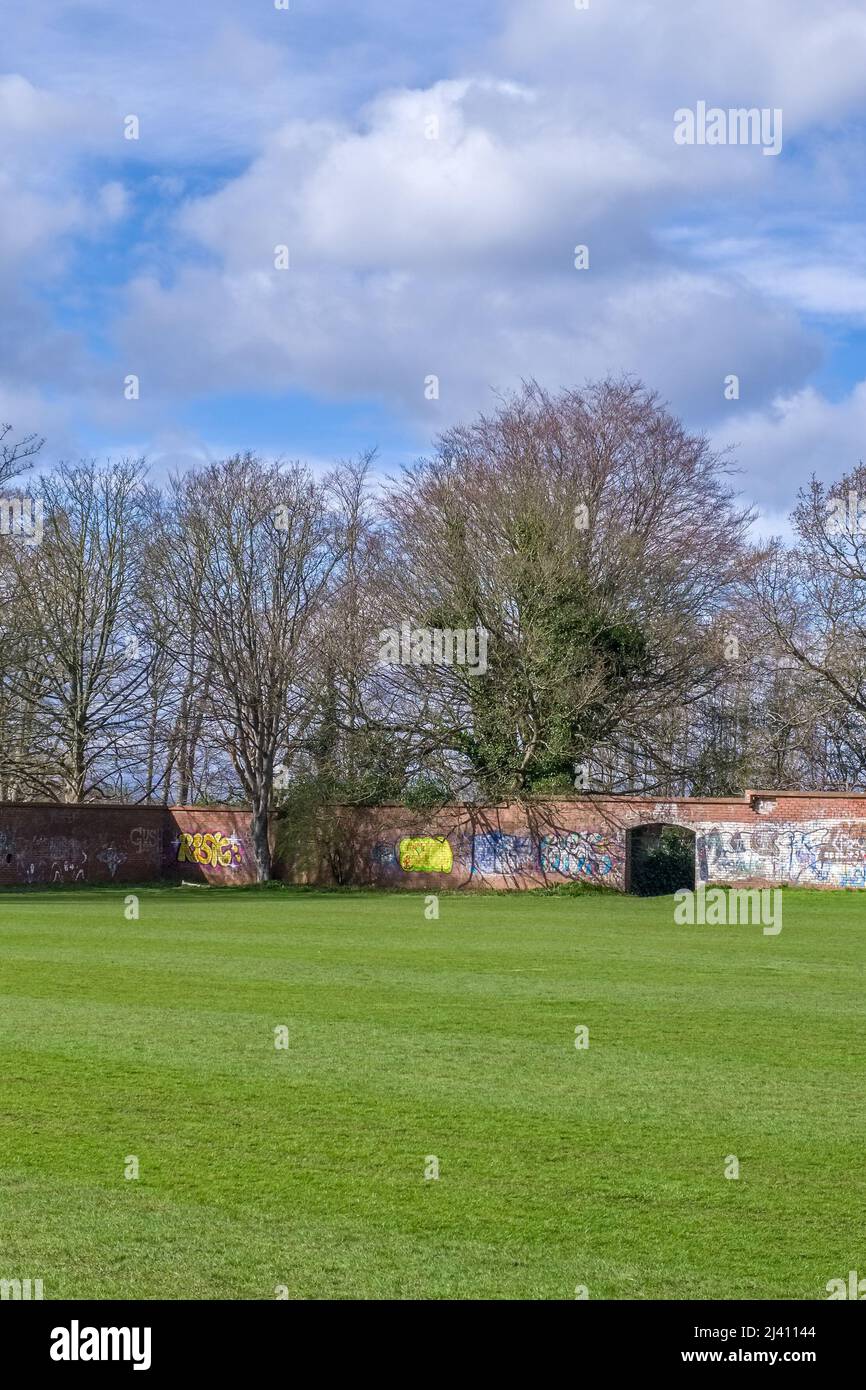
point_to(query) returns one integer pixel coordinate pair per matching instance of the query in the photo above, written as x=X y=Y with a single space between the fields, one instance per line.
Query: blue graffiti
x=579 y=853
x=384 y=854
x=497 y=853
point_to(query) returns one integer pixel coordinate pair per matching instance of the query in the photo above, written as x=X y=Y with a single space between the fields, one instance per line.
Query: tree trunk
x=260 y=836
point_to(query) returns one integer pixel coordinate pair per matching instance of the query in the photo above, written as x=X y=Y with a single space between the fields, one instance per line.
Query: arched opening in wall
x=660 y=859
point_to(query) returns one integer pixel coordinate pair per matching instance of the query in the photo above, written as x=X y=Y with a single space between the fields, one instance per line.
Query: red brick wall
x=94 y=843
x=47 y=843
x=761 y=838
x=209 y=844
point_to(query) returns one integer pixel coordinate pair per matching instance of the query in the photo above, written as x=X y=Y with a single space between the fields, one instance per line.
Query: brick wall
x=762 y=838
x=94 y=843
x=209 y=844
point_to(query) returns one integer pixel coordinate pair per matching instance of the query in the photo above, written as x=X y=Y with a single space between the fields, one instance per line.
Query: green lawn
x=408 y=1038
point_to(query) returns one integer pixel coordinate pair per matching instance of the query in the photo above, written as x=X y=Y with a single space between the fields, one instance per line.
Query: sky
x=430 y=171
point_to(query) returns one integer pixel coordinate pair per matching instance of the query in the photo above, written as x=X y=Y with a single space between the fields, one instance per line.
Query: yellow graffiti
x=214 y=851
x=427 y=854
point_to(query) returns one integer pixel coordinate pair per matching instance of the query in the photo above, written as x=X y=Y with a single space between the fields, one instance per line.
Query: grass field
x=409 y=1038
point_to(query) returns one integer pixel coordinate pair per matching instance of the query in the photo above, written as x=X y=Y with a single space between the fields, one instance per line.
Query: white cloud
x=815 y=264
x=780 y=447
x=453 y=255
x=412 y=256
x=647 y=57
x=113 y=201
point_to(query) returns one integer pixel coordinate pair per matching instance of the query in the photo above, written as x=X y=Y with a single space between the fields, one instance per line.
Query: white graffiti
x=143 y=837
x=827 y=852
x=112 y=858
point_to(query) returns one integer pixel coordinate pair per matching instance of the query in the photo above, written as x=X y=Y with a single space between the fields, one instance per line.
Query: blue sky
x=431 y=169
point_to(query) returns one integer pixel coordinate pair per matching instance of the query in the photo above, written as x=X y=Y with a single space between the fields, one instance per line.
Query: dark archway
x=660 y=859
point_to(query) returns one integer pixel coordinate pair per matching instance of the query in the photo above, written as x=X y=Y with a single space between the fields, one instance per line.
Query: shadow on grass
x=276 y=886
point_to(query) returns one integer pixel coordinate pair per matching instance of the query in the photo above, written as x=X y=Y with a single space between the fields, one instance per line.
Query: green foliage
x=665 y=865
x=425 y=793
x=557 y=685
x=576 y=889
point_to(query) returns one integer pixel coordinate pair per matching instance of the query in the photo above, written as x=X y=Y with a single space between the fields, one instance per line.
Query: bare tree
x=16 y=453
x=254 y=542
x=75 y=596
x=811 y=598
x=594 y=540
x=186 y=644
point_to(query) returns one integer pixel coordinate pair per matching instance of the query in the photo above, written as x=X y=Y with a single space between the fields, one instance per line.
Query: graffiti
x=59 y=872
x=580 y=853
x=211 y=851
x=800 y=852
x=63 y=856
x=847 y=840
x=831 y=853
x=763 y=839
x=738 y=852
x=143 y=837
x=428 y=854
x=53 y=856
x=498 y=853
x=755 y=846
x=384 y=854
x=58 y=847
x=701 y=857
x=112 y=858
